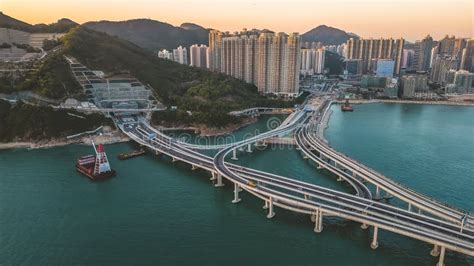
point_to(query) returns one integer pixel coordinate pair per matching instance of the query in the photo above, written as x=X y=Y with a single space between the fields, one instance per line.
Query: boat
x=95 y=167
x=134 y=153
x=347 y=107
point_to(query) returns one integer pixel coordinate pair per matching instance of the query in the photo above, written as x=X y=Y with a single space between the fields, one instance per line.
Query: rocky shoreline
x=109 y=138
x=116 y=136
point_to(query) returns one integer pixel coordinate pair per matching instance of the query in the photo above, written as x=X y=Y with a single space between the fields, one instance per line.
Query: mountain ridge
x=327 y=35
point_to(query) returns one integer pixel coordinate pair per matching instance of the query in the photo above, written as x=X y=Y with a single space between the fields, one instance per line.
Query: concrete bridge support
x=193 y=167
x=271 y=213
x=174 y=160
x=234 y=155
x=157 y=152
x=214 y=174
x=265 y=206
x=377 y=192
x=409 y=207
x=441 y=257
x=236 y=193
x=318 y=221
x=219 y=181
x=375 y=243
x=435 y=251
x=249 y=148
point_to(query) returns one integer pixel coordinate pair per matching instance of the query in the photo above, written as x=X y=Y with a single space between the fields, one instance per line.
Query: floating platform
x=95 y=167
x=132 y=154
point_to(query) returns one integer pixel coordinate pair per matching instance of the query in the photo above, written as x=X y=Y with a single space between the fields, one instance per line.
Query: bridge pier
x=339 y=179
x=157 y=152
x=236 y=193
x=234 y=155
x=271 y=213
x=174 y=159
x=213 y=176
x=441 y=257
x=364 y=226
x=193 y=167
x=318 y=221
x=375 y=243
x=265 y=206
x=249 y=148
x=409 y=207
x=377 y=193
x=219 y=181
x=435 y=251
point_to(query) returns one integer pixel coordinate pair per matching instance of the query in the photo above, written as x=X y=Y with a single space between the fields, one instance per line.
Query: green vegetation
x=27 y=47
x=24 y=122
x=151 y=34
x=335 y=63
x=53 y=79
x=5 y=45
x=50 y=44
x=62 y=26
x=208 y=95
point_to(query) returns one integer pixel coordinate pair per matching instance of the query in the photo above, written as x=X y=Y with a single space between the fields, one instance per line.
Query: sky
x=411 y=19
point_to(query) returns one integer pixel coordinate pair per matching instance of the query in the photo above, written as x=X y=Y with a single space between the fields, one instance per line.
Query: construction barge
x=95 y=167
x=347 y=107
x=128 y=155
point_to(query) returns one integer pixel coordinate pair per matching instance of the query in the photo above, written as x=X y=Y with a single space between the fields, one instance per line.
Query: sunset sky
x=412 y=19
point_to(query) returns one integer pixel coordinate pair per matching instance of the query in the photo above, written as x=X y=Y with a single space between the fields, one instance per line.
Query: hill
x=208 y=95
x=327 y=35
x=61 y=26
x=12 y=23
x=24 y=122
x=152 y=34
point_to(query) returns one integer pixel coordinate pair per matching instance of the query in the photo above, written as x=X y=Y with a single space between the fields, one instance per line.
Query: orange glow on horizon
x=411 y=19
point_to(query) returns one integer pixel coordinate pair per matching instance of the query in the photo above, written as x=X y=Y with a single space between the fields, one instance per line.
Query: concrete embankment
x=453 y=103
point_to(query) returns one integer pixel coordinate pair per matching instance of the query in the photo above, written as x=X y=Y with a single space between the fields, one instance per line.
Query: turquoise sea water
x=162 y=213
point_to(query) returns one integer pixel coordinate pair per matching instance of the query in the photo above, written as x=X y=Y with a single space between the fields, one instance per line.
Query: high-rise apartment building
x=412 y=84
x=423 y=52
x=165 y=54
x=408 y=58
x=215 y=44
x=312 y=61
x=441 y=67
x=268 y=60
x=446 y=45
x=369 y=49
x=385 y=68
x=464 y=81
x=199 y=55
x=467 y=61
x=180 y=55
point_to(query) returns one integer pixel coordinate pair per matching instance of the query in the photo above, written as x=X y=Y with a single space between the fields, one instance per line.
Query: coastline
x=109 y=138
x=116 y=136
x=205 y=131
x=445 y=102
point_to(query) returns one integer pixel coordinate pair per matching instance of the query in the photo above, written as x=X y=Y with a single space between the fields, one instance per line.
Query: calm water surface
x=158 y=212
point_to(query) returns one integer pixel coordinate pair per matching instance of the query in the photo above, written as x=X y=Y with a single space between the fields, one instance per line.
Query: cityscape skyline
x=369 y=19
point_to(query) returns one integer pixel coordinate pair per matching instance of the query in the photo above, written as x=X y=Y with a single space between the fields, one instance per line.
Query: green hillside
x=151 y=34
x=210 y=96
x=24 y=122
